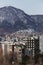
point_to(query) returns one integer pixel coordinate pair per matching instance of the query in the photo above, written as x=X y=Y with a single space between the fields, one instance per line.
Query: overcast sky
x=29 y=6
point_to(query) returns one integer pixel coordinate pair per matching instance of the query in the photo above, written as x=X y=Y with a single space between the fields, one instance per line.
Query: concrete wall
x=41 y=43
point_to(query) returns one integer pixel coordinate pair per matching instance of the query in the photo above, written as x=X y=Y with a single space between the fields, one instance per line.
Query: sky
x=31 y=7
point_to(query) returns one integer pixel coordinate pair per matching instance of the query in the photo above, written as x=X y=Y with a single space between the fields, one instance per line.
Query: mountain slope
x=13 y=19
x=39 y=22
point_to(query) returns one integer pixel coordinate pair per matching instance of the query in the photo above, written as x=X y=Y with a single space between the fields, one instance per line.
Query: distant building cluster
x=27 y=45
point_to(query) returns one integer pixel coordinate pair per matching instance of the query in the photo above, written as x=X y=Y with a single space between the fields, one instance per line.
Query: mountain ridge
x=13 y=19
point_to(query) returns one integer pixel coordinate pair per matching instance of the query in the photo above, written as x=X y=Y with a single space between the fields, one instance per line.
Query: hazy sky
x=29 y=6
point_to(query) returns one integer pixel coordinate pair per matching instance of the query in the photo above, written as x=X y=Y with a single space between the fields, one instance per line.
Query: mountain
x=13 y=19
x=39 y=22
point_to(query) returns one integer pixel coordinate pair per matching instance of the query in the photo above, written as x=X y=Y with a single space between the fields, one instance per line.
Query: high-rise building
x=31 y=49
x=32 y=46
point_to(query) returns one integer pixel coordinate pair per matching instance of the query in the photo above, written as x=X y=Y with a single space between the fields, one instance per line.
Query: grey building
x=32 y=46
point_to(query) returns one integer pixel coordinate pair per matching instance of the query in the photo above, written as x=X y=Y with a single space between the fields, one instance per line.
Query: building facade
x=32 y=46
